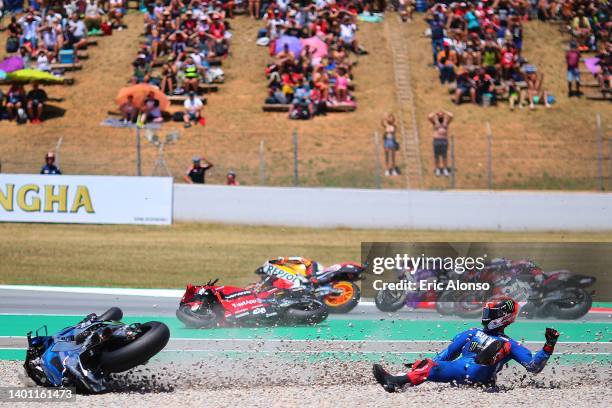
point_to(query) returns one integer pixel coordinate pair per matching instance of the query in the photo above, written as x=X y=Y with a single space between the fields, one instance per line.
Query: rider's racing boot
x=391 y=383
x=493 y=353
x=418 y=374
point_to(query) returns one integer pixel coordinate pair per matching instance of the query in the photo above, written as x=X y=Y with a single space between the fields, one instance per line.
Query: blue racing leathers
x=456 y=363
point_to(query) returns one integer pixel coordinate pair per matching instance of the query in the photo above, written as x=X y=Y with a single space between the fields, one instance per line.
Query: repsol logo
x=46 y=198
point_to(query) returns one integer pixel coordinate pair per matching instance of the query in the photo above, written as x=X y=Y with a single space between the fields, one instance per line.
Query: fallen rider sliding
x=476 y=355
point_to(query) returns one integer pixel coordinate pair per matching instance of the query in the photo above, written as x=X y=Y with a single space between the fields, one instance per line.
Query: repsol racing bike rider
x=476 y=355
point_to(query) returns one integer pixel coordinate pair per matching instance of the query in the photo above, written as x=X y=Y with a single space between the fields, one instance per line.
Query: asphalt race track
x=70 y=303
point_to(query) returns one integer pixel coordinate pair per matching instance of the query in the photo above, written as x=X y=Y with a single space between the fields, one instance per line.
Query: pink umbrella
x=11 y=64
x=316 y=44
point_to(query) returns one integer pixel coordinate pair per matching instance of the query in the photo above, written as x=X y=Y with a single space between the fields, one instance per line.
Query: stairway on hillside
x=405 y=100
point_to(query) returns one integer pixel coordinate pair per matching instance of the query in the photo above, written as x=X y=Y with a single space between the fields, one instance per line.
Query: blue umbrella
x=295 y=45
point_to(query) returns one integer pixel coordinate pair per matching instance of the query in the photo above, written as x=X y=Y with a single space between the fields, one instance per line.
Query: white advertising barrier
x=409 y=209
x=85 y=199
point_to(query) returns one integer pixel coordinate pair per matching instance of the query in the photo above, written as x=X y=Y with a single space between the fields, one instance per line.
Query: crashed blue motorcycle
x=83 y=356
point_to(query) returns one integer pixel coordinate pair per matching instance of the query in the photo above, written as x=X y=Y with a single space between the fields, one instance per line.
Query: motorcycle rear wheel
x=196 y=320
x=575 y=309
x=113 y=314
x=390 y=300
x=154 y=338
x=311 y=312
x=345 y=302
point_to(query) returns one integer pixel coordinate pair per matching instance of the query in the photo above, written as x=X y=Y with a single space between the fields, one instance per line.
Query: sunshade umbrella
x=11 y=64
x=316 y=44
x=295 y=46
x=140 y=93
x=592 y=65
x=32 y=75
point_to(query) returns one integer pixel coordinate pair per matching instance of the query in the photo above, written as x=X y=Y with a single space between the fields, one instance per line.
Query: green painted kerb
x=19 y=325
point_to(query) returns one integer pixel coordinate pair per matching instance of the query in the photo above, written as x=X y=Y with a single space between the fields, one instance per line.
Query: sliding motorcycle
x=335 y=285
x=84 y=355
x=210 y=305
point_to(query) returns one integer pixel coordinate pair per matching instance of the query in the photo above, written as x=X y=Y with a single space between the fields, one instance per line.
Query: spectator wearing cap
x=230 y=179
x=50 y=168
x=196 y=173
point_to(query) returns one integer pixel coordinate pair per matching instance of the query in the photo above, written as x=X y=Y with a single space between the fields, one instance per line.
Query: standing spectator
x=440 y=121
x=50 y=167
x=35 y=100
x=193 y=110
x=572 y=57
x=230 y=179
x=390 y=144
x=196 y=173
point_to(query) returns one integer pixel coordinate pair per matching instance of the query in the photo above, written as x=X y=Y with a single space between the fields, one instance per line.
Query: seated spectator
x=77 y=33
x=192 y=76
x=142 y=70
x=129 y=111
x=151 y=110
x=49 y=167
x=342 y=83
x=42 y=60
x=193 y=110
x=535 y=89
x=484 y=87
x=447 y=61
x=196 y=173
x=115 y=13
x=14 y=101
x=93 y=15
x=465 y=87
x=29 y=29
x=51 y=39
x=36 y=99
x=301 y=107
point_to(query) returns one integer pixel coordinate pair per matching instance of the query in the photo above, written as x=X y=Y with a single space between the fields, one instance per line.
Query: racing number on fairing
x=259 y=310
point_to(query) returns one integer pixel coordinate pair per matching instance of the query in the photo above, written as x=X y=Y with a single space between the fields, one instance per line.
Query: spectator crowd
x=313 y=47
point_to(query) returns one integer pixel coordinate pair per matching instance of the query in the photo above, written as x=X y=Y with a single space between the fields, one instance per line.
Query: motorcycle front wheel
x=390 y=300
x=346 y=301
x=200 y=319
x=306 y=312
x=577 y=303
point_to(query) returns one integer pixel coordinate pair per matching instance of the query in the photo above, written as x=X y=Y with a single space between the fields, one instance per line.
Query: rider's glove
x=551 y=339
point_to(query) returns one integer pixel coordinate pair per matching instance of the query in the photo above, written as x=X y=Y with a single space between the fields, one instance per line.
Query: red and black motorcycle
x=210 y=305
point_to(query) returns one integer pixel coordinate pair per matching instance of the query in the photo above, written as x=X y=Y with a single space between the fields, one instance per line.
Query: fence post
x=296 y=180
x=262 y=164
x=489 y=157
x=599 y=152
x=138 y=162
x=452 y=154
x=377 y=170
x=58 y=146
